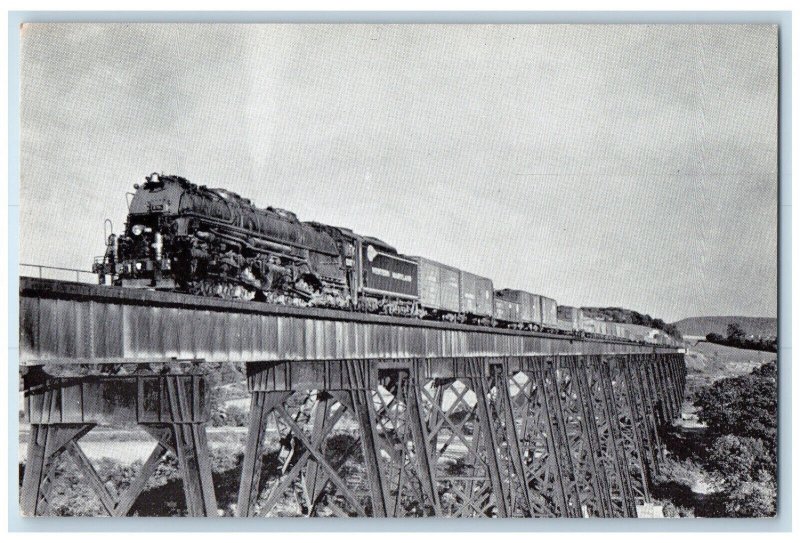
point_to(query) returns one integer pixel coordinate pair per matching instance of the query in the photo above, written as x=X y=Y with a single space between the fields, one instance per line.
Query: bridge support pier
x=474 y=438
x=328 y=422
x=169 y=402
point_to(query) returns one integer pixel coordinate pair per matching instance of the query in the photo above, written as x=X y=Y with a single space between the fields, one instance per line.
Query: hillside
x=708 y=362
x=702 y=326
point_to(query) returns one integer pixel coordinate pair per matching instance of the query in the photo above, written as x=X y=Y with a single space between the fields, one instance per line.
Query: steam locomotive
x=212 y=242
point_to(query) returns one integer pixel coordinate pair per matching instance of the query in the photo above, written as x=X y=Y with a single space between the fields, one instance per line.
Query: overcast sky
x=633 y=166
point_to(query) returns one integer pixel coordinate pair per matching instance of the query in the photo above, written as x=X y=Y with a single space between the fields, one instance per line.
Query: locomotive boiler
x=212 y=242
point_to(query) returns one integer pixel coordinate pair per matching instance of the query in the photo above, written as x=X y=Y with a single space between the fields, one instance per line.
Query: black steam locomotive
x=212 y=242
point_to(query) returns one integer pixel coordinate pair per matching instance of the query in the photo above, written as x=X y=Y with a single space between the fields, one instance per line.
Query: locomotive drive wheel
x=224 y=290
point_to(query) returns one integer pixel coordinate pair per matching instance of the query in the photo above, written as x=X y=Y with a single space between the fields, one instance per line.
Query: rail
x=47 y=272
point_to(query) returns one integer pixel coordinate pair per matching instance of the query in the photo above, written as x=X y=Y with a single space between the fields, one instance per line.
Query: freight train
x=212 y=242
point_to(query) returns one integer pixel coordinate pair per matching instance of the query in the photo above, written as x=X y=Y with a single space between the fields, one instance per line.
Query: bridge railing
x=57 y=273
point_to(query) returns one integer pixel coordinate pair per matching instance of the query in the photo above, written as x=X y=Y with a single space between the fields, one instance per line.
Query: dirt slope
x=702 y=326
x=708 y=362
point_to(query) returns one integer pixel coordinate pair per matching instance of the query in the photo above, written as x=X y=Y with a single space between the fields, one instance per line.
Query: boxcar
x=506 y=311
x=536 y=310
x=564 y=326
x=477 y=295
x=572 y=314
x=549 y=312
x=439 y=286
x=525 y=300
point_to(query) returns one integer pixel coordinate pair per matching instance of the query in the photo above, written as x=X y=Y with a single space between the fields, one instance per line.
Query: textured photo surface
x=340 y=270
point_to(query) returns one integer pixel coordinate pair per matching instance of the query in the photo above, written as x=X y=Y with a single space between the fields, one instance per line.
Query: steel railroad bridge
x=351 y=414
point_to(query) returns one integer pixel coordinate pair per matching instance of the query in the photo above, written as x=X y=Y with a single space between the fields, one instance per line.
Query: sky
x=602 y=165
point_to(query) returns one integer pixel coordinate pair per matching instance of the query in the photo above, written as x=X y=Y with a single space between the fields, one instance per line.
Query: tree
x=735 y=332
x=738 y=459
x=752 y=499
x=746 y=406
x=736 y=338
x=742 y=412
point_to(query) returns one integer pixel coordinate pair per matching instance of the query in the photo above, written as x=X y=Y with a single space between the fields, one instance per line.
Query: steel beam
x=548 y=377
x=66 y=323
x=633 y=428
x=507 y=436
x=419 y=432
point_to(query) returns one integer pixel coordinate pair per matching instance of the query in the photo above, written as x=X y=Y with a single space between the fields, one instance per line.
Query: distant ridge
x=702 y=326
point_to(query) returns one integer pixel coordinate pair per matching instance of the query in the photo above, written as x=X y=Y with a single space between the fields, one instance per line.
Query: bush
x=231 y=415
x=684 y=472
x=744 y=406
x=237 y=416
x=738 y=459
x=752 y=499
x=742 y=412
x=671 y=510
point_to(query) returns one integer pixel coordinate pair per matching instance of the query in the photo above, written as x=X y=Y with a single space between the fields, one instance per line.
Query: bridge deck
x=65 y=322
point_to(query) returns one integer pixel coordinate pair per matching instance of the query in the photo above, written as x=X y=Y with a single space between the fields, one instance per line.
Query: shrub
x=752 y=499
x=738 y=459
x=745 y=406
x=231 y=415
x=237 y=416
x=671 y=510
x=742 y=413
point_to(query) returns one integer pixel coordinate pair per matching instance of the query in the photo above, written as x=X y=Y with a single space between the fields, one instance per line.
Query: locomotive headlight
x=137 y=229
